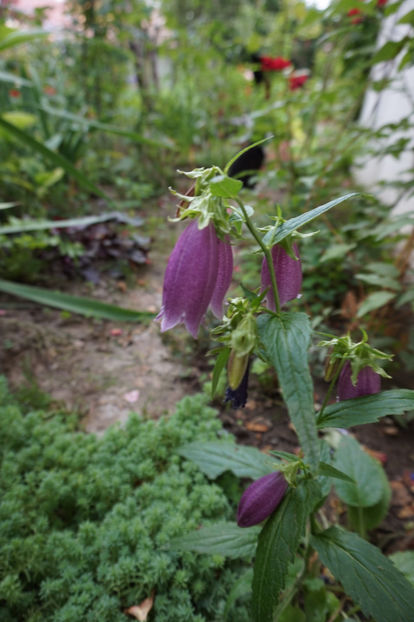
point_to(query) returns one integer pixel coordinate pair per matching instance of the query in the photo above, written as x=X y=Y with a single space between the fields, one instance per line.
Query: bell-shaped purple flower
x=288 y=273
x=368 y=382
x=261 y=498
x=198 y=274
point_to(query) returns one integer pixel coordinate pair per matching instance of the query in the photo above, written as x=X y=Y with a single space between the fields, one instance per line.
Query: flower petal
x=368 y=382
x=261 y=498
x=224 y=275
x=288 y=276
x=201 y=276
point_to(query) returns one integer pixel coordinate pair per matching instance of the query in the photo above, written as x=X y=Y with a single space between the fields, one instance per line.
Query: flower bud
x=236 y=368
x=261 y=498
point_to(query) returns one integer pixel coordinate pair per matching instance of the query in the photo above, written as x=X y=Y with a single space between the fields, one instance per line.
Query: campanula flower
x=261 y=498
x=288 y=276
x=274 y=64
x=198 y=274
x=368 y=382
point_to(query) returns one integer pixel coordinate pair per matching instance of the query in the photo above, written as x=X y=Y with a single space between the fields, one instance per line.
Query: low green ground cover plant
x=86 y=522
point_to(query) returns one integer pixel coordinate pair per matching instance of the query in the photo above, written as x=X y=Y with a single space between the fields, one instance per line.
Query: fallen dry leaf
x=391 y=430
x=254 y=426
x=140 y=612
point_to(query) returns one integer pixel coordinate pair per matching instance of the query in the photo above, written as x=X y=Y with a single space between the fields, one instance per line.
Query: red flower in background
x=381 y=3
x=297 y=81
x=356 y=15
x=14 y=93
x=274 y=64
x=49 y=90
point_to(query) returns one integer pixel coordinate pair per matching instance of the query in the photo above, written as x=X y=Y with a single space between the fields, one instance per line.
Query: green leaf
x=407 y=296
x=17 y=38
x=39 y=225
x=285 y=339
x=6 y=76
x=408 y=18
x=242 y=588
x=378 y=280
x=104 y=127
x=388 y=51
x=221 y=361
x=366 y=488
x=20 y=119
x=53 y=157
x=224 y=186
x=374 y=301
x=7 y=205
x=367 y=575
x=404 y=560
x=256 y=144
x=336 y=251
x=327 y=470
x=75 y=304
x=225 y=539
x=216 y=457
x=277 y=545
x=367 y=409
x=277 y=234
x=362 y=519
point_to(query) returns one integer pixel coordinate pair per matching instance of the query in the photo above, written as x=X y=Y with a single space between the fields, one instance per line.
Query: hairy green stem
x=331 y=387
x=267 y=253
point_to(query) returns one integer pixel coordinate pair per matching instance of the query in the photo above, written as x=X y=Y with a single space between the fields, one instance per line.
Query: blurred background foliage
x=97 y=114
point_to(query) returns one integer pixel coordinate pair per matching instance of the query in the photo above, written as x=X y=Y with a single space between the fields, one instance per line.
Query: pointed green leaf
x=84 y=221
x=256 y=144
x=367 y=409
x=75 y=304
x=221 y=360
x=374 y=301
x=366 y=488
x=224 y=186
x=52 y=156
x=216 y=457
x=369 y=577
x=277 y=234
x=327 y=470
x=18 y=37
x=220 y=539
x=285 y=339
x=277 y=546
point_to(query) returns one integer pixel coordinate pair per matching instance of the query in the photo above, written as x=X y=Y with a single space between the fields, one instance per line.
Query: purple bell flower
x=198 y=274
x=261 y=498
x=368 y=382
x=288 y=276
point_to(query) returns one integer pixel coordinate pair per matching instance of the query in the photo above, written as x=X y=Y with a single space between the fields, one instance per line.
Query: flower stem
x=330 y=388
x=266 y=251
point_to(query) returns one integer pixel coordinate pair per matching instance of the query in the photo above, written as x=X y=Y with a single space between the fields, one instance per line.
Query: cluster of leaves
x=86 y=522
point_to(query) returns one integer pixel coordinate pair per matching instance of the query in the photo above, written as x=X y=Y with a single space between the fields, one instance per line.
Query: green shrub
x=85 y=522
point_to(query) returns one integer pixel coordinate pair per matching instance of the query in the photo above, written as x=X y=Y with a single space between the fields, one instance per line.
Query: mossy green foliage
x=85 y=522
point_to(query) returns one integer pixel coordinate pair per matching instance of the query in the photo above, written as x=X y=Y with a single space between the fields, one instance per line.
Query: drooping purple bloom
x=261 y=498
x=368 y=382
x=288 y=273
x=198 y=274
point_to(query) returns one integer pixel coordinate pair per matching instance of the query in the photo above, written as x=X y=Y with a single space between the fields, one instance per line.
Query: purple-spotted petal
x=224 y=275
x=288 y=276
x=261 y=498
x=368 y=382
